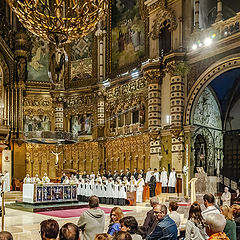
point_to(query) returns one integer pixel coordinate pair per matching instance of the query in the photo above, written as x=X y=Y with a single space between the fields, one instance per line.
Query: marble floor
x=25 y=225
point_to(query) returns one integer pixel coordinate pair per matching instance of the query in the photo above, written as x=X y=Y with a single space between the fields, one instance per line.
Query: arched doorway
x=200 y=153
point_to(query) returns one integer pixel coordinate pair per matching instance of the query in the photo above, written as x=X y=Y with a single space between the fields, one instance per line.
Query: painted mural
x=38 y=66
x=81 y=124
x=37 y=123
x=128 y=43
x=81 y=58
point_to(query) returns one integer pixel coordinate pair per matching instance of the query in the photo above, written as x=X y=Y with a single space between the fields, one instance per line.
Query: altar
x=49 y=193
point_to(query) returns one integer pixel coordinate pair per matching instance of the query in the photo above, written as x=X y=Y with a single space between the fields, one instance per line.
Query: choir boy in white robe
x=122 y=195
x=164 y=180
x=172 y=181
x=148 y=175
x=116 y=193
x=89 y=191
x=140 y=184
x=109 y=191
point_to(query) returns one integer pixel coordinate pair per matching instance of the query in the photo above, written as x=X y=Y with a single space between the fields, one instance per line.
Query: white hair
x=154 y=200
x=216 y=221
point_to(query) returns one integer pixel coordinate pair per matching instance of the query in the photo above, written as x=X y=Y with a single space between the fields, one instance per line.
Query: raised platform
x=40 y=207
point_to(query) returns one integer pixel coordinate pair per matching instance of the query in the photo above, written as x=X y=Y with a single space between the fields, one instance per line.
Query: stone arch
x=206 y=77
x=164 y=17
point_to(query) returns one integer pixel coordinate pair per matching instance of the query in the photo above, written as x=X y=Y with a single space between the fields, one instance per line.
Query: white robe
x=156 y=174
x=27 y=180
x=148 y=176
x=139 y=193
x=6 y=182
x=123 y=192
x=109 y=190
x=172 y=179
x=164 y=178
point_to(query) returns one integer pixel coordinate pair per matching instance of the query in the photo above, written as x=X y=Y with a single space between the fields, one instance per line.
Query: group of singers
x=112 y=188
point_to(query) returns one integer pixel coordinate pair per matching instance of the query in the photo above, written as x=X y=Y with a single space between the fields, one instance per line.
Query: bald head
x=69 y=231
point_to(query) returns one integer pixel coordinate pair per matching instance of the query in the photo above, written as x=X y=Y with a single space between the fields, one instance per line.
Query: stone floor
x=25 y=225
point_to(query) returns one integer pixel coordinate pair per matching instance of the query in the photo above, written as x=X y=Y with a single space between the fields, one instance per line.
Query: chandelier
x=59 y=21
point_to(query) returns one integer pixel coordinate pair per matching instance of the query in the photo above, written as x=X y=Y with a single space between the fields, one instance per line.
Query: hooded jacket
x=91 y=222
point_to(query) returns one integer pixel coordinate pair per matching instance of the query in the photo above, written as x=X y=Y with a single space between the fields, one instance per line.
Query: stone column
x=153 y=73
x=219 y=11
x=196 y=14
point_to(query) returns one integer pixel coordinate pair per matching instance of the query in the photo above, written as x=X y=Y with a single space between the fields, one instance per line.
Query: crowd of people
x=160 y=223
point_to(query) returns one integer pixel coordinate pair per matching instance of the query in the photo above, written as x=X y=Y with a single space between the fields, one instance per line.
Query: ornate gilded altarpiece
x=127 y=35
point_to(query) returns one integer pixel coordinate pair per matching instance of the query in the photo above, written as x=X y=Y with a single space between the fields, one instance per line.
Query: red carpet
x=71 y=212
x=184 y=204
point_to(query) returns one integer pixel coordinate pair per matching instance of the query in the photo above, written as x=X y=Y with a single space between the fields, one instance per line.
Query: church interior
x=143 y=84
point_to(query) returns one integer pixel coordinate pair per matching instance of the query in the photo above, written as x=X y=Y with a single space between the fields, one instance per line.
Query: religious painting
x=37 y=123
x=128 y=33
x=81 y=58
x=38 y=66
x=81 y=124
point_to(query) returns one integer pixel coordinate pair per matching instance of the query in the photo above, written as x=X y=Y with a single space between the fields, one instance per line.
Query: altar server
x=140 y=184
x=164 y=180
x=172 y=181
x=6 y=182
x=27 y=179
x=45 y=178
x=148 y=175
x=89 y=191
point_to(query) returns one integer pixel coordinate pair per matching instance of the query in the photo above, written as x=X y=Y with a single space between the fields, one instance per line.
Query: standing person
x=45 y=178
x=115 y=216
x=166 y=228
x=164 y=180
x=148 y=175
x=115 y=175
x=230 y=228
x=226 y=197
x=27 y=179
x=92 y=221
x=109 y=174
x=63 y=177
x=236 y=215
x=143 y=174
x=122 y=175
x=215 y=224
x=208 y=200
x=128 y=174
x=135 y=173
x=237 y=198
x=140 y=184
x=130 y=225
x=174 y=215
x=150 y=221
x=6 y=182
x=156 y=174
x=49 y=229
x=172 y=181
x=195 y=228
x=152 y=185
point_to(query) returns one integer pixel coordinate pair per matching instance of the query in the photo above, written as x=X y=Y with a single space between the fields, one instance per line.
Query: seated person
x=49 y=229
x=69 y=231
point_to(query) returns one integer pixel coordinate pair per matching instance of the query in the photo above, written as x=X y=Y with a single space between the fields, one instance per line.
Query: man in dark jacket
x=152 y=185
x=166 y=228
x=150 y=221
x=128 y=174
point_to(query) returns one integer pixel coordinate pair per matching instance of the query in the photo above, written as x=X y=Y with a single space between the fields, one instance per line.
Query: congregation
x=160 y=223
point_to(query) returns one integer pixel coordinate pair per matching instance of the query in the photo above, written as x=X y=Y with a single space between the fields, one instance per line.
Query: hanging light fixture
x=59 y=21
